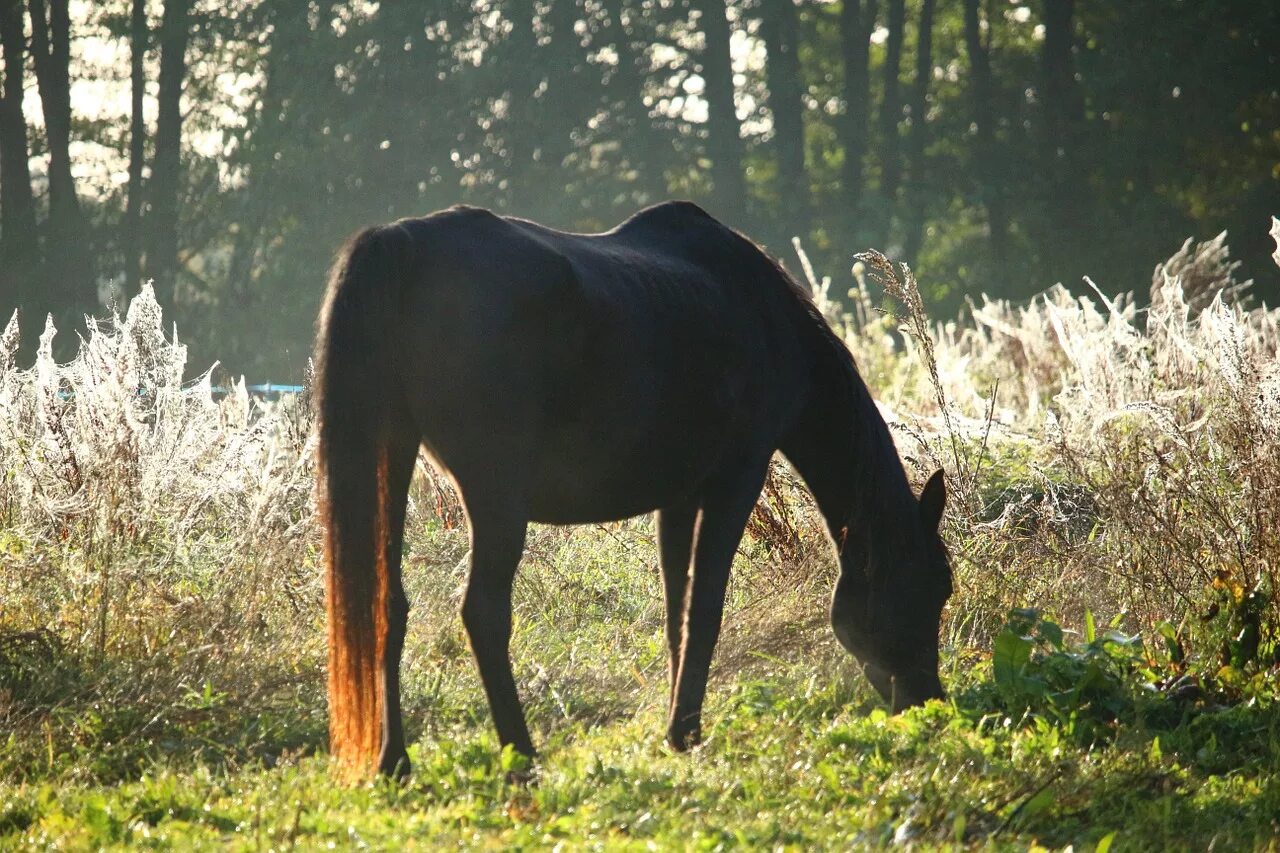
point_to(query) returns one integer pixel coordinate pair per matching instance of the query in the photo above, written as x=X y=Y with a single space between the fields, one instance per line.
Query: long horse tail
x=353 y=406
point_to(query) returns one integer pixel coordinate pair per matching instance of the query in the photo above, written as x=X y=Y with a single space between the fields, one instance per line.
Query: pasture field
x=1110 y=653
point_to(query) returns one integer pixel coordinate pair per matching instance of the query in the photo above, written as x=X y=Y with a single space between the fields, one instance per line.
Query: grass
x=798 y=755
x=162 y=645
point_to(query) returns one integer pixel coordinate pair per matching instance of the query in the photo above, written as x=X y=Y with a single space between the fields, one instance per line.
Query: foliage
x=1124 y=456
x=303 y=122
x=1087 y=687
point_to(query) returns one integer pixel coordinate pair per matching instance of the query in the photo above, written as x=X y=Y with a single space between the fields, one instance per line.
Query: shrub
x=1105 y=458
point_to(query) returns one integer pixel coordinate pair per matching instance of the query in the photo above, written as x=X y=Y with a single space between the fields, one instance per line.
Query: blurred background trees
x=226 y=149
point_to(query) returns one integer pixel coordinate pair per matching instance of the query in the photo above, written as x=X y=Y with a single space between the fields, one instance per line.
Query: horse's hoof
x=394 y=766
x=522 y=777
x=683 y=739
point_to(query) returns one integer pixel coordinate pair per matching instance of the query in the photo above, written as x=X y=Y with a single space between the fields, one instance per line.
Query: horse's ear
x=933 y=497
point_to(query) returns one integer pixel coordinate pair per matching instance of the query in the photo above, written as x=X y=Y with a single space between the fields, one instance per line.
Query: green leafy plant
x=1084 y=685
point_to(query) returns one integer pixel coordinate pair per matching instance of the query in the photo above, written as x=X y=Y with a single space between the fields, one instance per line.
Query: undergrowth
x=1110 y=653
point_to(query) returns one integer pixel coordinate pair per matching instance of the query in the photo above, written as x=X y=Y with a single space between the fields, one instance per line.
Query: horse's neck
x=843 y=451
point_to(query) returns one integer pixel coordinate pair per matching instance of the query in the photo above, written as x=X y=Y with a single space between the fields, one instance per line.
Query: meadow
x=1111 y=652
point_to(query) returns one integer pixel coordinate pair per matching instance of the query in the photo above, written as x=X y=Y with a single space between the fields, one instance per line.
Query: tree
x=51 y=50
x=287 y=64
x=724 y=134
x=627 y=91
x=1063 y=114
x=166 y=164
x=1062 y=107
x=68 y=238
x=891 y=104
x=915 y=224
x=567 y=96
x=131 y=228
x=18 y=235
x=857 y=19
x=781 y=31
x=577 y=112
x=985 y=156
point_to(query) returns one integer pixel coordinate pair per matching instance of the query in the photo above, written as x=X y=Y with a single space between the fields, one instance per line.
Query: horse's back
x=598 y=376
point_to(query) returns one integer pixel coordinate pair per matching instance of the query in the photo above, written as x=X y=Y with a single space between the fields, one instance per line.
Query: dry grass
x=1103 y=457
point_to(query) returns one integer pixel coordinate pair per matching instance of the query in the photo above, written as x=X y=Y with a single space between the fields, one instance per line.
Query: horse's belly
x=556 y=500
x=603 y=478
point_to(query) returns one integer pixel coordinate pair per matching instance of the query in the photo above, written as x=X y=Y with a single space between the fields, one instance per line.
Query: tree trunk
x=131 y=241
x=18 y=235
x=891 y=107
x=1063 y=116
x=914 y=237
x=1061 y=99
x=519 y=142
x=51 y=47
x=857 y=19
x=166 y=165
x=986 y=158
x=567 y=95
x=69 y=256
x=781 y=31
x=724 y=134
x=644 y=149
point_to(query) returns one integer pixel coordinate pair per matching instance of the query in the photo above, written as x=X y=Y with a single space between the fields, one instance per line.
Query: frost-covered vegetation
x=1111 y=650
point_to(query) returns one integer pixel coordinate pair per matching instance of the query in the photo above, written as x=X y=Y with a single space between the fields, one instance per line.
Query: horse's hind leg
x=725 y=509
x=497 y=540
x=675 y=548
x=402 y=455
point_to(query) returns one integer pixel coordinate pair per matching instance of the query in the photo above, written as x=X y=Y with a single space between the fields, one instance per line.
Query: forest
x=1044 y=229
x=225 y=150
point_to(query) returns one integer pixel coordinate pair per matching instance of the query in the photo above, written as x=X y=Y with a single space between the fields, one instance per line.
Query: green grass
x=217 y=737
x=1060 y=741
x=788 y=762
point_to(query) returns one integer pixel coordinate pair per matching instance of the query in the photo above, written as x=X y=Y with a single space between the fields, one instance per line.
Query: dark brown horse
x=569 y=378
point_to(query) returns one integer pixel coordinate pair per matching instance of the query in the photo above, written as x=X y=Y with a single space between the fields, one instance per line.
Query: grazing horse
x=572 y=378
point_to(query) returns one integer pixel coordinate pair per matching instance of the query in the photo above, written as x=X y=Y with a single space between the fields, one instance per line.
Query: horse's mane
x=878 y=477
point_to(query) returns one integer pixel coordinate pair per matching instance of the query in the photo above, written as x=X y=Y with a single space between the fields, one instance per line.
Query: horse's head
x=888 y=600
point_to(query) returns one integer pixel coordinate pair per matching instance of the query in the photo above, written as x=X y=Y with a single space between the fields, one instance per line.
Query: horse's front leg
x=725 y=509
x=497 y=540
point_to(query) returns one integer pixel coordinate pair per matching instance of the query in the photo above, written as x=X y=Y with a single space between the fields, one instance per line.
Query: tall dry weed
x=1107 y=457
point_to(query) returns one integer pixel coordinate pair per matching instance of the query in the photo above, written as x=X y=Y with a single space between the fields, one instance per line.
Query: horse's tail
x=353 y=405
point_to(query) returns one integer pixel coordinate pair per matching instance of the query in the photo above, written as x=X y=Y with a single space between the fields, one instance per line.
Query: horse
x=569 y=378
